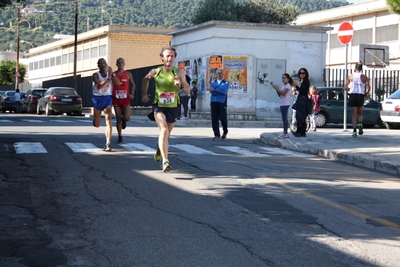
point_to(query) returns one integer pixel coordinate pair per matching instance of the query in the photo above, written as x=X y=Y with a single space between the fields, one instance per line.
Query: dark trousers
x=184 y=102
x=193 y=103
x=218 y=113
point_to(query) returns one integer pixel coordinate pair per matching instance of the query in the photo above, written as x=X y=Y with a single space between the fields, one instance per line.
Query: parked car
x=29 y=101
x=60 y=100
x=390 y=113
x=7 y=102
x=332 y=105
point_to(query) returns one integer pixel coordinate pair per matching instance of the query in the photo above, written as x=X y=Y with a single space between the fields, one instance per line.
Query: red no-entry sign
x=345 y=33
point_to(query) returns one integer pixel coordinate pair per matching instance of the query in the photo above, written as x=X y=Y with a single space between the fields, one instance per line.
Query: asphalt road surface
x=236 y=202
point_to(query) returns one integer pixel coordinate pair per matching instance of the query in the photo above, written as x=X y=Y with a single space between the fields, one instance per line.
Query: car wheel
x=321 y=119
x=38 y=111
x=381 y=123
x=48 y=111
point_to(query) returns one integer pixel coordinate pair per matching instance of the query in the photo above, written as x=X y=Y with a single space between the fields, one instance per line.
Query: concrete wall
x=297 y=46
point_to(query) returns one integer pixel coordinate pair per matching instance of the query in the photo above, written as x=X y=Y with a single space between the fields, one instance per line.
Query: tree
x=394 y=6
x=7 y=72
x=255 y=11
x=6 y=3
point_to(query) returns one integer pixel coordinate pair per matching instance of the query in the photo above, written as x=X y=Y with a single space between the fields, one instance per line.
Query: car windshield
x=10 y=93
x=64 y=91
x=395 y=95
x=39 y=92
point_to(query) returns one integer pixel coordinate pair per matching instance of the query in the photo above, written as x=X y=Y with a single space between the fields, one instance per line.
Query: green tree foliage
x=394 y=6
x=7 y=71
x=6 y=3
x=58 y=16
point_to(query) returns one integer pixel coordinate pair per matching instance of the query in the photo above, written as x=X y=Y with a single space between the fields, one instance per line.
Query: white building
x=372 y=24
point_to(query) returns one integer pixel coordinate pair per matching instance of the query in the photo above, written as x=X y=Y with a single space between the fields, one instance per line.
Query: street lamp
x=22 y=41
x=104 y=11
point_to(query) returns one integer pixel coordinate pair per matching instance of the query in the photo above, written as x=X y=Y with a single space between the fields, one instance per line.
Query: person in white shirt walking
x=358 y=86
x=17 y=99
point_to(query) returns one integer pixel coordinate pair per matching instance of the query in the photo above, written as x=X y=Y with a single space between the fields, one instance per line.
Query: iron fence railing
x=383 y=82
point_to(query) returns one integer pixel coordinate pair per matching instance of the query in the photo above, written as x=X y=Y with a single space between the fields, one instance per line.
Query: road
x=237 y=202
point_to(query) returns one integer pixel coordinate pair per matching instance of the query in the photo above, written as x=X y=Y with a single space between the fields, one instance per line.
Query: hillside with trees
x=42 y=20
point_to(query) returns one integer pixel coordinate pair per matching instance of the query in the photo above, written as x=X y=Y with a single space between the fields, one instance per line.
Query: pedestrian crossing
x=140 y=148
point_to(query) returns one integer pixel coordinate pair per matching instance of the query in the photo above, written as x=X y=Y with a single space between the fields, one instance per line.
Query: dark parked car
x=29 y=101
x=7 y=101
x=332 y=105
x=60 y=100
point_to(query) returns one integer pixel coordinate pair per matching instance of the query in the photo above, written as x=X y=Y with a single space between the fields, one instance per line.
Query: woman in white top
x=284 y=95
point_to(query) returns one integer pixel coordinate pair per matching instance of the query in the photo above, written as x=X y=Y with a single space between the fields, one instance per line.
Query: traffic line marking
x=5 y=121
x=193 y=149
x=138 y=148
x=29 y=148
x=83 y=148
x=32 y=120
x=287 y=152
x=243 y=151
x=358 y=214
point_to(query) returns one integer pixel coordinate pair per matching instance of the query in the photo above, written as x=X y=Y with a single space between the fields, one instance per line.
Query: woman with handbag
x=301 y=104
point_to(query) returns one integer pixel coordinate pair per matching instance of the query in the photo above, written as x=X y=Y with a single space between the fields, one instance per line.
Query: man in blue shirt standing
x=219 y=90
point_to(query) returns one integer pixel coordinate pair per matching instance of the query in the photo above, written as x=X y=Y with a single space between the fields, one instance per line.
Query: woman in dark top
x=301 y=110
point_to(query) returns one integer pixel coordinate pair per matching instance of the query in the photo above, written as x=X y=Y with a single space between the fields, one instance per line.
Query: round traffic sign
x=345 y=33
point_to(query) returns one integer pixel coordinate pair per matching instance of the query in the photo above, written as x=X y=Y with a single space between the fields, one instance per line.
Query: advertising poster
x=235 y=68
x=185 y=66
x=198 y=74
x=213 y=63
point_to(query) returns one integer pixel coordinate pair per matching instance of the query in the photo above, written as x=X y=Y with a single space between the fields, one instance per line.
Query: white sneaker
x=283 y=136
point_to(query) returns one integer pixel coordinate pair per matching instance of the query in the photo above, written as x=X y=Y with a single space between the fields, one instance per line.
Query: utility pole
x=76 y=45
x=17 y=75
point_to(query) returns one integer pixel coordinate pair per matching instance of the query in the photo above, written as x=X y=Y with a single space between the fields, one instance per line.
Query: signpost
x=345 y=35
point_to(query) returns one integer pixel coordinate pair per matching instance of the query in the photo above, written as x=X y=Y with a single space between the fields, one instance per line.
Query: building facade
x=139 y=46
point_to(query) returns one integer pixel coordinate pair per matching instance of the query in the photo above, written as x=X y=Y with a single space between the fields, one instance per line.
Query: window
x=79 y=56
x=102 y=50
x=41 y=64
x=52 y=61
x=47 y=63
x=65 y=59
x=93 y=52
x=31 y=66
x=334 y=42
x=362 y=37
x=35 y=65
x=86 y=54
x=387 y=33
x=71 y=58
x=58 y=60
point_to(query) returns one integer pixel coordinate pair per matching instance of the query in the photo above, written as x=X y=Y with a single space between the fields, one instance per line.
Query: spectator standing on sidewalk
x=193 y=96
x=102 y=98
x=302 y=88
x=17 y=99
x=284 y=96
x=219 y=96
x=184 y=98
x=165 y=106
x=316 y=108
x=358 y=86
x=122 y=96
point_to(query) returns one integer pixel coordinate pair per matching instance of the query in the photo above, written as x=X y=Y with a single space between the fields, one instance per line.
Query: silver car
x=390 y=113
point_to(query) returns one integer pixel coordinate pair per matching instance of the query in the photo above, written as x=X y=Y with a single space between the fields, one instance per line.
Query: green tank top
x=167 y=93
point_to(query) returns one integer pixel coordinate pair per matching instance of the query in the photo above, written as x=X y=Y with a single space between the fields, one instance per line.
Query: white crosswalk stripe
x=286 y=152
x=138 y=148
x=62 y=121
x=242 y=151
x=193 y=149
x=29 y=148
x=5 y=121
x=83 y=148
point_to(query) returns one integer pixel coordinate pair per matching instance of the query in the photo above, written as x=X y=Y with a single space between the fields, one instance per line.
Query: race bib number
x=121 y=94
x=167 y=97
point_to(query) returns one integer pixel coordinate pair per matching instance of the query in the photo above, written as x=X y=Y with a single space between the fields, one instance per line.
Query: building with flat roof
x=373 y=25
x=139 y=46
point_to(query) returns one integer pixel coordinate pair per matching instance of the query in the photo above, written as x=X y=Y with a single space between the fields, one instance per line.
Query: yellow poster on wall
x=235 y=68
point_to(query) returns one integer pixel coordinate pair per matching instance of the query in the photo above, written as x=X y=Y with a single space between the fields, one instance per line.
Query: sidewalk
x=377 y=149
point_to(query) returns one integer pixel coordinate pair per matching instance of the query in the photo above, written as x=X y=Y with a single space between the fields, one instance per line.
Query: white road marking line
x=5 y=121
x=63 y=121
x=243 y=151
x=193 y=149
x=84 y=148
x=32 y=120
x=138 y=148
x=86 y=121
x=287 y=152
x=29 y=148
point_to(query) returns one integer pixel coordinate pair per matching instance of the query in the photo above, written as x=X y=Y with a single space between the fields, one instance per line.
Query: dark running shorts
x=171 y=114
x=356 y=100
x=101 y=102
